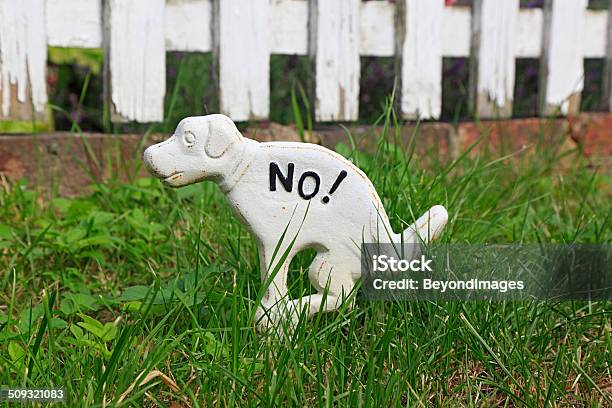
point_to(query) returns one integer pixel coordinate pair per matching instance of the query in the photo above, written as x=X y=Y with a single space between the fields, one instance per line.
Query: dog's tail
x=428 y=227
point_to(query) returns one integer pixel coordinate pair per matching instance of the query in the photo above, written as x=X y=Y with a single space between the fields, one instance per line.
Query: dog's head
x=202 y=147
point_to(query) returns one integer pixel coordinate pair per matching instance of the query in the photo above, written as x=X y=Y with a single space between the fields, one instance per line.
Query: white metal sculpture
x=296 y=190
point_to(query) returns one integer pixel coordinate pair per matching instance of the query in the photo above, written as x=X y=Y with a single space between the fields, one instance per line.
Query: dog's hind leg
x=330 y=273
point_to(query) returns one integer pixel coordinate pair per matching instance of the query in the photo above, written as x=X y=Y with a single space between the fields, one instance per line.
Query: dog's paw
x=263 y=319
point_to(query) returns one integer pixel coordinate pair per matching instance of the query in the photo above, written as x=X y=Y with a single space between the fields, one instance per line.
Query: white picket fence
x=136 y=34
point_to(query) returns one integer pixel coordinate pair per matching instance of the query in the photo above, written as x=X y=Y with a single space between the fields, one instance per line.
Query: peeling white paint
x=564 y=48
x=188 y=25
x=496 y=51
x=36 y=46
x=422 y=60
x=335 y=49
x=138 y=59
x=244 y=59
x=13 y=58
x=23 y=52
x=74 y=23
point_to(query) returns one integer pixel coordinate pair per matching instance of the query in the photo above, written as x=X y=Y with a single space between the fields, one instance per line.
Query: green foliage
x=91 y=58
x=17 y=126
x=288 y=73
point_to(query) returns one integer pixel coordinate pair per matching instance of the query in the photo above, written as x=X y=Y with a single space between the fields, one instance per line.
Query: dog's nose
x=147 y=158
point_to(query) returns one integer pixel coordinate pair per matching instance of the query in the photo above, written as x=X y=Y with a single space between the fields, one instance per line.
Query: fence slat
x=492 y=57
x=561 y=63
x=242 y=55
x=419 y=36
x=135 y=59
x=334 y=49
x=23 y=59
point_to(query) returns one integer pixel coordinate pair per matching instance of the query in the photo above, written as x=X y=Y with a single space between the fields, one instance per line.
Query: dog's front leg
x=274 y=277
x=273 y=274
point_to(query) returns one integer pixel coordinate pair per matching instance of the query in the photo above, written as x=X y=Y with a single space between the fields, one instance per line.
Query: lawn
x=142 y=295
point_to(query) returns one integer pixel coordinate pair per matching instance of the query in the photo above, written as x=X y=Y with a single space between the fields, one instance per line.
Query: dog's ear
x=222 y=133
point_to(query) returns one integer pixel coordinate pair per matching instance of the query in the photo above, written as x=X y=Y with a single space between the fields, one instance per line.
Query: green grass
x=101 y=290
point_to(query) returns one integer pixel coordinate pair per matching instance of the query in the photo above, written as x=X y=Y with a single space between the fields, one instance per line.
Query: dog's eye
x=189 y=138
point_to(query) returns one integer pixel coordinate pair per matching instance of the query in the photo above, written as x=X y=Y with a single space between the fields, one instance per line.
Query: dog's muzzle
x=153 y=164
x=147 y=158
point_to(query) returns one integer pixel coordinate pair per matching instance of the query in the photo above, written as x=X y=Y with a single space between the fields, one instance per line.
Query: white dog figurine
x=305 y=190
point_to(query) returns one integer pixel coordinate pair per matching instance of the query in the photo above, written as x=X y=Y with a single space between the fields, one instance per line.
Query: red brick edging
x=67 y=162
